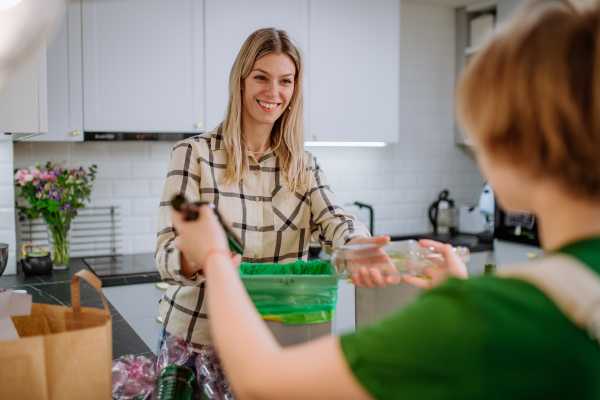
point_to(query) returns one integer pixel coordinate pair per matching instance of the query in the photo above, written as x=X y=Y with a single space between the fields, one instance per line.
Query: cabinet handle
x=198 y=125
x=75 y=133
x=316 y=136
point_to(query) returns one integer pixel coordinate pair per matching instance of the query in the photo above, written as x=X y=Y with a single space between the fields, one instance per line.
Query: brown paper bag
x=72 y=362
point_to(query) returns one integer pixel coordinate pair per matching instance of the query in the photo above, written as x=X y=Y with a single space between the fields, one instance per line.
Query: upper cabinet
x=143 y=65
x=65 y=92
x=507 y=8
x=164 y=65
x=227 y=25
x=354 y=70
x=23 y=100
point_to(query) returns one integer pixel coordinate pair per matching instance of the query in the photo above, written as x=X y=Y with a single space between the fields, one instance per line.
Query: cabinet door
x=228 y=25
x=142 y=65
x=507 y=8
x=23 y=99
x=65 y=88
x=355 y=70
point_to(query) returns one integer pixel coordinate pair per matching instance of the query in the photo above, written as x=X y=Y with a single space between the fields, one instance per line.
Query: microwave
x=516 y=227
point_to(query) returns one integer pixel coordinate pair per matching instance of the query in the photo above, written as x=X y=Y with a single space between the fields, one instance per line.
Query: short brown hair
x=531 y=97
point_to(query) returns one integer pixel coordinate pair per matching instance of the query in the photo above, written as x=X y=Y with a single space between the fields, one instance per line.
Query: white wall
x=399 y=180
x=7 y=204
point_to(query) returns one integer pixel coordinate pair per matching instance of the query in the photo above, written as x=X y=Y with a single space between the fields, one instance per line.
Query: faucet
x=371 y=215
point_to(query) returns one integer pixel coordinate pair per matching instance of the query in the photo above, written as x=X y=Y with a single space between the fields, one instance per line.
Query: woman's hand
x=369 y=277
x=195 y=238
x=450 y=265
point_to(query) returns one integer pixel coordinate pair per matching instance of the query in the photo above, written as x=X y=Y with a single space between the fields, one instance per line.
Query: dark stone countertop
x=55 y=289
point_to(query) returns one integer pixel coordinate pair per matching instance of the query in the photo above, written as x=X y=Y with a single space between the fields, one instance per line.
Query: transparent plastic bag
x=211 y=376
x=133 y=377
x=174 y=350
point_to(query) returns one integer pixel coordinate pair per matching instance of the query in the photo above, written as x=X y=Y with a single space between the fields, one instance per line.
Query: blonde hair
x=531 y=97
x=288 y=131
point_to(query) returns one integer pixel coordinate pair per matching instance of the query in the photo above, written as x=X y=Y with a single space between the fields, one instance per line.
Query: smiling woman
x=255 y=171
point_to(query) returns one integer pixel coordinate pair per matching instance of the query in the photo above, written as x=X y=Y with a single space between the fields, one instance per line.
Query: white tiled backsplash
x=399 y=180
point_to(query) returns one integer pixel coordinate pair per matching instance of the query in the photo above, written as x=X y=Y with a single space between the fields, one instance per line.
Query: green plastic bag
x=296 y=293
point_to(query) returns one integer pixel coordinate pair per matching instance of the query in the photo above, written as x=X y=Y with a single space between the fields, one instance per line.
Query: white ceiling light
x=24 y=25
x=346 y=144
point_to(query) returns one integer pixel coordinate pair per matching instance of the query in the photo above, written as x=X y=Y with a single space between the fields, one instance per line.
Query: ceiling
x=447 y=3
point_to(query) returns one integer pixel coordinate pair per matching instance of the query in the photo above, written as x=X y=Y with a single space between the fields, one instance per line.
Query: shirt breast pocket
x=291 y=210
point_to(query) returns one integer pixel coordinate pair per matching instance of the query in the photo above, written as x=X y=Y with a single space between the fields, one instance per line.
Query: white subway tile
x=149 y=169
x=22 y=151
x=7 y=218
x=144 y=243
x=101 y=190
x=406 y=181
x=6 y=174
x=131 y=188
x=124 y=205
x=161 y=151
x=154 y=224
x=129 y=150
x=390 y=228
x=136 y=225
x=157 y=186
x=394 y=196
x=407 y=211
x=418 y=226
x=97 y=151
x=418 y=196
x=42 y=152
x=127 y=245
x=6 y=152
x=113 y=170
x=147 y=206
x=7 y=197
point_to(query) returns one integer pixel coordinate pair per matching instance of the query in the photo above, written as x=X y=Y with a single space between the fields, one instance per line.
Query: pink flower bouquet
x=55 y=193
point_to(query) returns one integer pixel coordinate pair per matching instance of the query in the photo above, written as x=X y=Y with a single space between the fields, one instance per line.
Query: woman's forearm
x=257 y=367
x=236 y=326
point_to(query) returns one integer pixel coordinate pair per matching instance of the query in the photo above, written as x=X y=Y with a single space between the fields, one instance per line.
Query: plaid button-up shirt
x=274 y=224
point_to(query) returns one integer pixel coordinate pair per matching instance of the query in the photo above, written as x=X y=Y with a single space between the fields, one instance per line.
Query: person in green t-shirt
x=530 y=102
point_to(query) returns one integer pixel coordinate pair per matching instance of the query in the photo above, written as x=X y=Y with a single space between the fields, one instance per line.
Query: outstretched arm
x=255 y=363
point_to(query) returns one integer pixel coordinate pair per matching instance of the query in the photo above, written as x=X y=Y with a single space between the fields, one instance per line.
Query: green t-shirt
x=482 y=338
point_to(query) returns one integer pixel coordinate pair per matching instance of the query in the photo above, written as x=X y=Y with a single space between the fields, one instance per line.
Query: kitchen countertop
x=55 y=289
x=462 y=239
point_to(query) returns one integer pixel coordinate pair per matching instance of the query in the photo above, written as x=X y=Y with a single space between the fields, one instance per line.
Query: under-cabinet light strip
x=346 y=144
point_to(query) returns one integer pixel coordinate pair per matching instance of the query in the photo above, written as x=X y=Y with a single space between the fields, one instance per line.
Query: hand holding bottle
x=449 y=264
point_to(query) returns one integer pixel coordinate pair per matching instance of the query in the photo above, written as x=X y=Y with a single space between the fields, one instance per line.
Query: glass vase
x=60 y=243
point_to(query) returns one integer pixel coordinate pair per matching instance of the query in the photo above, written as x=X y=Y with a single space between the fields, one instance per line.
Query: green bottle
x=490 y=270
x=174 y=383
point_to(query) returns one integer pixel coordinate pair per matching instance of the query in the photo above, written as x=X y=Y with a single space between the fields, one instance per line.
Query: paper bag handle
x=76 y=292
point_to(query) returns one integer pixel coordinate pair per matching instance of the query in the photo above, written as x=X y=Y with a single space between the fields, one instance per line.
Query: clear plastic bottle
x=399 y=258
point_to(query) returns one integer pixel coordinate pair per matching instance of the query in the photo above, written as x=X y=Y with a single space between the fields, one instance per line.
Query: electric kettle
x=443 y=214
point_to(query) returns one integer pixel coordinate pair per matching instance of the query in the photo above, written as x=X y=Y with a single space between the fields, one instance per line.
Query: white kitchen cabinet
x=64 y=69
x=23 y=100
x=354 y=67
x=143 y=65
x=227 y=25
x=507 y=8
